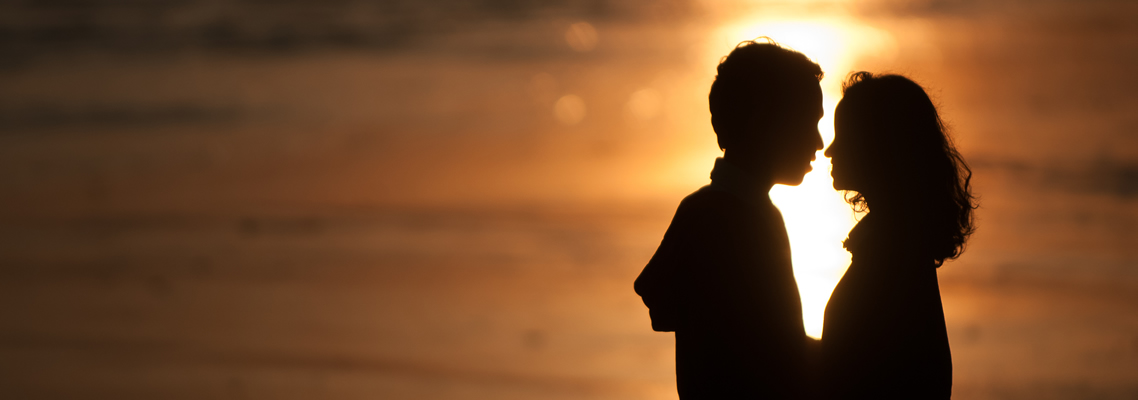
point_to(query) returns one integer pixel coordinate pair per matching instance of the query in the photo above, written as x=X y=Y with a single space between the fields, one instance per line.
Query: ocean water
x=455 y=304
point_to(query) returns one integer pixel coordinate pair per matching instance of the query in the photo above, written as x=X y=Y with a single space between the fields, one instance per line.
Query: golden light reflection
x=569 y=109
x=817 y=217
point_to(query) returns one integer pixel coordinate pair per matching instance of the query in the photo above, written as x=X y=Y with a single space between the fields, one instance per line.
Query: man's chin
x=792 y=182
x=794 y=179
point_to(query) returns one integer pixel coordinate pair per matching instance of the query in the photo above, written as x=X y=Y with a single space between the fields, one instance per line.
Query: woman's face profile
x=847 y=163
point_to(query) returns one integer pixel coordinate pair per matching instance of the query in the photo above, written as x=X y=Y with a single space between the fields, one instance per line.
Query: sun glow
x=817 y=217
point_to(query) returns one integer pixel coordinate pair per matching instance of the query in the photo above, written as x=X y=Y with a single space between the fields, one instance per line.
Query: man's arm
x=742 y=319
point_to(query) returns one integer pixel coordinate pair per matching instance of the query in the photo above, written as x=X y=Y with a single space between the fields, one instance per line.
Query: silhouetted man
x=722 y=277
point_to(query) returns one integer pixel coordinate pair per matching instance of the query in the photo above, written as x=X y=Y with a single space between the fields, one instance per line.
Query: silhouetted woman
x=884 y=334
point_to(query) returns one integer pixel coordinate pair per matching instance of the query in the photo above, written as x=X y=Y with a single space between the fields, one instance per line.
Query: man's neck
x=731 y=178
x=755 y=173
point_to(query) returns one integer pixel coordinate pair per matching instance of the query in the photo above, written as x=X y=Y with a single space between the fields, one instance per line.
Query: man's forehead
x=804 y=96
x=803 y=87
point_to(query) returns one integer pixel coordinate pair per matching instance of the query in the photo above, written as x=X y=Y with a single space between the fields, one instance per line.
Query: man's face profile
x=765 y=106
x=792 y=132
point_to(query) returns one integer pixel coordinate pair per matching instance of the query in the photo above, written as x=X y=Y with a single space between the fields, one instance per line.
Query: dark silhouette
x=722 y=277
x=884 y=334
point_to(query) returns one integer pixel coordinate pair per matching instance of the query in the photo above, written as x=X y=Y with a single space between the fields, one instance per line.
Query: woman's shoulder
x=889 y=239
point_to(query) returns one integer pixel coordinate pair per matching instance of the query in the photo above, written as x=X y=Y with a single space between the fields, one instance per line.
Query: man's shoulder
x=699 y=210
x=715 y=208
x=708 y=199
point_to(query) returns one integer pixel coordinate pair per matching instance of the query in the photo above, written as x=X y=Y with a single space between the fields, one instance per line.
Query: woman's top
x=884 y=335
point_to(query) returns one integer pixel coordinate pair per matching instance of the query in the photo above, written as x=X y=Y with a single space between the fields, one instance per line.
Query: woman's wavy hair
x=900 y=126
